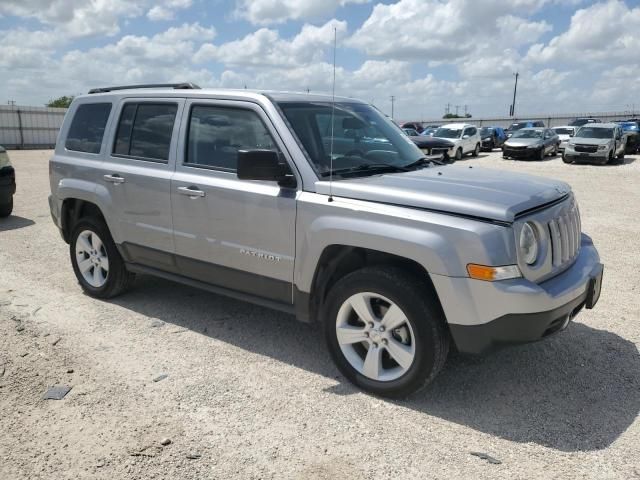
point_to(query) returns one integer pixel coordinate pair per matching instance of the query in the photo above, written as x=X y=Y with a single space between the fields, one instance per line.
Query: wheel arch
x=338 y=260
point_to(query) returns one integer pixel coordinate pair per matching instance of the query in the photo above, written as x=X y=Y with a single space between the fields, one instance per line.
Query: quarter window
x=217 y=133
x=87 y=127
x=145 y=131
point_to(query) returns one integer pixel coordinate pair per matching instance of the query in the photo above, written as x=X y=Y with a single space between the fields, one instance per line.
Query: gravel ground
x=250 y=393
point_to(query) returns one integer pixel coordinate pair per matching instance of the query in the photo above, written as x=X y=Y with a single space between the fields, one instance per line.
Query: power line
x=393 y=101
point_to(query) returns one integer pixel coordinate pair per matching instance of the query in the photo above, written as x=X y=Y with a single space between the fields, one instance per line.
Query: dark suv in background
x=7 y=184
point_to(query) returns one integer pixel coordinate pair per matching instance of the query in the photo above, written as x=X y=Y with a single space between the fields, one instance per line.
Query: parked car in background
x=564 y=133
x=596 y=143
x=7 y=183
x=417 y=126
x=398 y=258
x=514 y=127
x=433 y=146
x=465 y=138
x=411 y=132
x=579 y=122
x=429 y=131
x=492 y=137
x=531 y=144
x=631 y=129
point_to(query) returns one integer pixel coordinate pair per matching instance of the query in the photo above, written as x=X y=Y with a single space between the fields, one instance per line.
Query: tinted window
x=216 y=134
x=145 y=130
x=87 y=127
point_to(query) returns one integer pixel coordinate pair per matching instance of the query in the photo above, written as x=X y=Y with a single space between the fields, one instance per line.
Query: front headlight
x=529 y=243
x=603 y=147
x=535 y=145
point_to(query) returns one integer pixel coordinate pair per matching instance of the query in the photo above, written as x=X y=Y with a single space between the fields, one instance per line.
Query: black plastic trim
x=205 y=273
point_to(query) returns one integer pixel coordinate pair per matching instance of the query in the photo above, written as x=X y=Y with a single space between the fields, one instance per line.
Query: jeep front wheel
x=458 y=154
x=385 y=331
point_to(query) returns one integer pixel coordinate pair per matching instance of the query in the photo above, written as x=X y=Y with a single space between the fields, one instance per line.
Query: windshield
x=361 y=136
x=486 y=131
x=594 y=132
x=517 y=126
x=410 y=132
x=578 y=122
x=563 y=131
x=448 y=133
x=528 y=134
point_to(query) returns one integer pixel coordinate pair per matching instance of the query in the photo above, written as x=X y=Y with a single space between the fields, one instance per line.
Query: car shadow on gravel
x=13 y=222
x=577 y=391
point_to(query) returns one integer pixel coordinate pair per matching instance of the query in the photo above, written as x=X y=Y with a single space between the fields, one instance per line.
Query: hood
x=469 y=191
x=431 y=142
x=590 y=141
x=522 y=142
x=454 y=141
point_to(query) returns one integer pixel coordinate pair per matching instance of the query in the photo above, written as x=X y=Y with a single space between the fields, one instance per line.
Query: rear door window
x=87 y=127
x=144 y=131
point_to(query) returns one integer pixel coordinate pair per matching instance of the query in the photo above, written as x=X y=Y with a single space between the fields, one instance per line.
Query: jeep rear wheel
x=385 y=331
x=98 y=266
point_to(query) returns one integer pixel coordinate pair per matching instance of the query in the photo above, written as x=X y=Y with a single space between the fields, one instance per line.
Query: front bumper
x=485 y=315
x=599 y=157
x=520 y=153
x=7 y=184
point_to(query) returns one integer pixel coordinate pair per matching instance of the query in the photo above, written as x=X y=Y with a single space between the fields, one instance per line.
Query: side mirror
x=571 y=134
x=464 y=137
x=264 y=165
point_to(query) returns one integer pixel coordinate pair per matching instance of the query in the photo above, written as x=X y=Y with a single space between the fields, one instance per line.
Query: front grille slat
x=564 y=233
x=586 y=148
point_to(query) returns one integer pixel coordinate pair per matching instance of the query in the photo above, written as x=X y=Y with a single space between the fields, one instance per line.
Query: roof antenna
x=333 y=111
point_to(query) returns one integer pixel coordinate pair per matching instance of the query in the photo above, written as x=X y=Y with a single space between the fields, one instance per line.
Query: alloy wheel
x=92 y=258
x=375 y=336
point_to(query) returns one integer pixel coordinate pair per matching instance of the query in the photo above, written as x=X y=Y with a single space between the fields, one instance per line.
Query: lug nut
x=381 y=328
x=384 y=341
x=371 y=325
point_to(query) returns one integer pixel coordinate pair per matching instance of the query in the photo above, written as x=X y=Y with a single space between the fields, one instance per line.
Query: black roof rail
x=176 y=86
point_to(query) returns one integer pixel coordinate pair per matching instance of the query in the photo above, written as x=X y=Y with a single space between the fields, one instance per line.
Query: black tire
x=476 y=151
x=458 y=155
x=118 y=278
x=6 y=208
x=417 y=300
x=554 y=153
x=565 y=159
x=542 y=155
x=611 y=159
x=621 y=155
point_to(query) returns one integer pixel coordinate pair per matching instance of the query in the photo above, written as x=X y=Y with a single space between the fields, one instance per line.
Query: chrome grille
x=586 y=148
x=564 y=232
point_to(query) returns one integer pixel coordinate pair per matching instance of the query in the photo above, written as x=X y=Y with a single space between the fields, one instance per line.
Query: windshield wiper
x=423 y=161
x=366 y=168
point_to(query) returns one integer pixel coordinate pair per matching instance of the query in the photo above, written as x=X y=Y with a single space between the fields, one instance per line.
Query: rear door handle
x=115 y=178
x=191 y=191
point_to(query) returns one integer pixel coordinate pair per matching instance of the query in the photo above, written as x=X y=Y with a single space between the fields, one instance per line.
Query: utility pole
x=457 y=109
x=393 y=101
x=515 y=90
x=447 y=109
x=466 y=109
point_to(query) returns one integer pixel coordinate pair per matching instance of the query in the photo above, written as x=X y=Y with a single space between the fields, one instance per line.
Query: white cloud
x=75 y=18
x=435 y=30
x=265 y=47
x=603 y=34
x=165 y=11
x=265 y=12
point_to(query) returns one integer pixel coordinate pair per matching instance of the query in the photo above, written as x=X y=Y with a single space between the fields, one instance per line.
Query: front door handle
x=115 y=178
x=191 y=191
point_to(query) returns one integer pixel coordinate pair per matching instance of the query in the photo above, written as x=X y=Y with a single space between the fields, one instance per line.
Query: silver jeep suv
x=324 y=209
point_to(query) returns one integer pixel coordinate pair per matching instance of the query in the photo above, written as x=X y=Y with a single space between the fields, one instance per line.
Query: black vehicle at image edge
x=7 y=184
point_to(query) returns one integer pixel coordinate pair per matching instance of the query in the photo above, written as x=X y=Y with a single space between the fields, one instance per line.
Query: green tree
x=61 y=102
